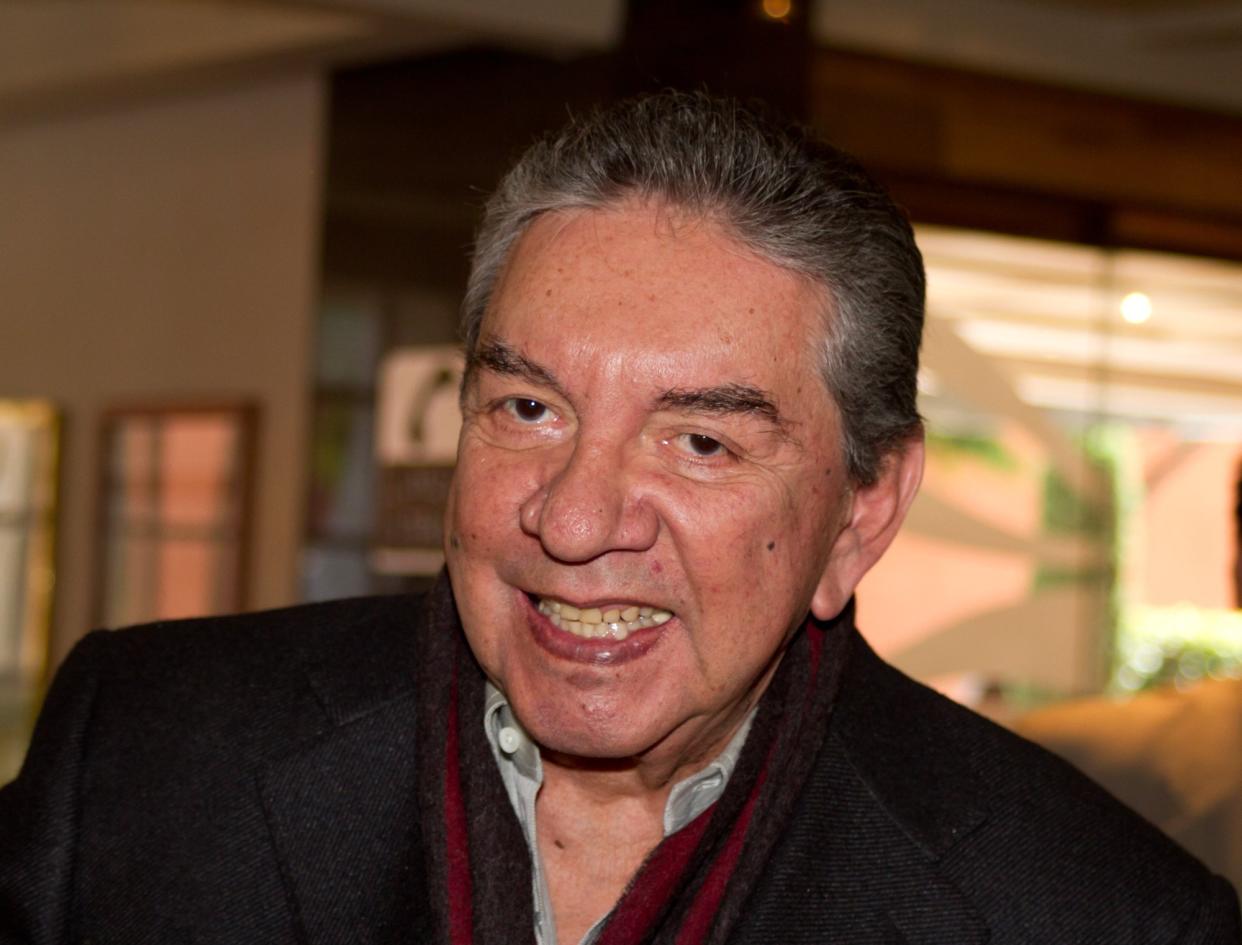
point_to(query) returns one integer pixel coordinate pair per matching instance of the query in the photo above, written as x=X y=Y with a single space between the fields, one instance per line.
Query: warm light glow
x=777 y=9
x=1136 y=308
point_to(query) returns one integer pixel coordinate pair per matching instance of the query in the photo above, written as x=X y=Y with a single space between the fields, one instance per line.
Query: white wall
x=166 y=250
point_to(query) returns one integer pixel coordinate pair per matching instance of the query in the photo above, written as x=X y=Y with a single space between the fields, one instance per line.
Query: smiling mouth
x=614 y=622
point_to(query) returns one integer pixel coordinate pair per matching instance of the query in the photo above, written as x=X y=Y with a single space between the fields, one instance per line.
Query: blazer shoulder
x=266 y=643
x=1034 y=842
x=244 y=679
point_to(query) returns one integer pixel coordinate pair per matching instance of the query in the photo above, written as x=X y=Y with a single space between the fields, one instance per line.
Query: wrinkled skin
x=580 y=477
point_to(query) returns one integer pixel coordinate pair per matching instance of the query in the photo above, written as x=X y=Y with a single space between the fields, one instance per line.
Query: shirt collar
x=689 y=797
x=510 y=743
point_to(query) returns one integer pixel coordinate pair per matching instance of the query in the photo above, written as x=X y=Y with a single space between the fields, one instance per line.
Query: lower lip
x=597 y=652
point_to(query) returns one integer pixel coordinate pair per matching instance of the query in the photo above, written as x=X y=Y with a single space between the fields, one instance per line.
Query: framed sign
x=416 y=446
x=175 y=496
x=29 y=448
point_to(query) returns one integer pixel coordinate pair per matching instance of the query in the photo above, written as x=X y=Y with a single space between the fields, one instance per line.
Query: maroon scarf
x=692 y=887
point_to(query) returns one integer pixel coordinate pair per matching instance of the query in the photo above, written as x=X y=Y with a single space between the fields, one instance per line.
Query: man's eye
x=703 y=446
x=526 y=410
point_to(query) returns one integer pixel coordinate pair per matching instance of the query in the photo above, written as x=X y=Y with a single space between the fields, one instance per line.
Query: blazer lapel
x=860 y=862
x=343 y=808
x=847 y=872
x=887 y=870
x=900 y=803
x=344 y=821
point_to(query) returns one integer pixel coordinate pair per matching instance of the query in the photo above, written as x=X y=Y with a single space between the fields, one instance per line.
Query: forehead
x=650 y=283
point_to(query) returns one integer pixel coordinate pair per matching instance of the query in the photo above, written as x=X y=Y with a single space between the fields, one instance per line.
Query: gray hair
x=788 y=196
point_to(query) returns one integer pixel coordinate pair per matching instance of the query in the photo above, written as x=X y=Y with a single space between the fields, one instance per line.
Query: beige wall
x=166 y=250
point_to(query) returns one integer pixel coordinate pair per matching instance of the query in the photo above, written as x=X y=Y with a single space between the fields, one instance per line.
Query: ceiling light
x=1136 y=308
x=777 y=9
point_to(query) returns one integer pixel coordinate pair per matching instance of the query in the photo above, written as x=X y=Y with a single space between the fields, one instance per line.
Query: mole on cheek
x=771 y=546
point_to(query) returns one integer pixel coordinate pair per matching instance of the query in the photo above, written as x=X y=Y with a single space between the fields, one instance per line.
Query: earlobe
x=875 y=515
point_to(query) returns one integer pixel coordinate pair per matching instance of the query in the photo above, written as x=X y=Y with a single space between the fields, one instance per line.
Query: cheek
x=755 y=552
x=723 y=536
x=475 y=505
x=489 y=489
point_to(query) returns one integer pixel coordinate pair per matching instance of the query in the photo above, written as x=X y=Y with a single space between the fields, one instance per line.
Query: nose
x=590 y=506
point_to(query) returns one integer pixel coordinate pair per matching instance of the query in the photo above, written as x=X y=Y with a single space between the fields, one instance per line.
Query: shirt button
x=509 y=740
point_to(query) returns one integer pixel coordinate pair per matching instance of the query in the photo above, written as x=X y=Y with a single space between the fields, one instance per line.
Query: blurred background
x=234 y=235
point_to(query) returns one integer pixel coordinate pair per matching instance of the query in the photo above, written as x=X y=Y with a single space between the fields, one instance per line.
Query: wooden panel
x=1156 y=229
x=942 y=123
x=415 y=146
x=726 y=46
x=1006 y=210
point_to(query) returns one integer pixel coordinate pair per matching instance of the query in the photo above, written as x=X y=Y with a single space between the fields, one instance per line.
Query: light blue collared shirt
x=521 y=769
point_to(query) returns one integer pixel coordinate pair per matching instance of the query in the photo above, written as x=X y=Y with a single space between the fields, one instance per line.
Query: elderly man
x=636 y=708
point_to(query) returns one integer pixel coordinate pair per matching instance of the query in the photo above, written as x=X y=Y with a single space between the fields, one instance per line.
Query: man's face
x=644 y=428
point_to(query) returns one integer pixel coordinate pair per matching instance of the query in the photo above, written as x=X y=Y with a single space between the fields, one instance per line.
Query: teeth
x=615 y=623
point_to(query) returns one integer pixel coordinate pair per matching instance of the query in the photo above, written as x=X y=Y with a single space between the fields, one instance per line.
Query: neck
x=649 y=776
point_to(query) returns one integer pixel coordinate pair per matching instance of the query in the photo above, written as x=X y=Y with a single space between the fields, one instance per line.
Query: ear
x=874 y=515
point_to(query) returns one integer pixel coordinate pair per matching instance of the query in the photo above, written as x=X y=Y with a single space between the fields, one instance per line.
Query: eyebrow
x=496 y=356
x=723 y=399
x=500 y=358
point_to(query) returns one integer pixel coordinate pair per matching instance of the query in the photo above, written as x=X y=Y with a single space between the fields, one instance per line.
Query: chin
x=584 y=734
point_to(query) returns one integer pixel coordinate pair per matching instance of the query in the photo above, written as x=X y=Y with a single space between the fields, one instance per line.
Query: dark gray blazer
x=251 y=779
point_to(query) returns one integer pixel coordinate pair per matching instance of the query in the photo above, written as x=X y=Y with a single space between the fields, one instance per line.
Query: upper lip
x=600 y=602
